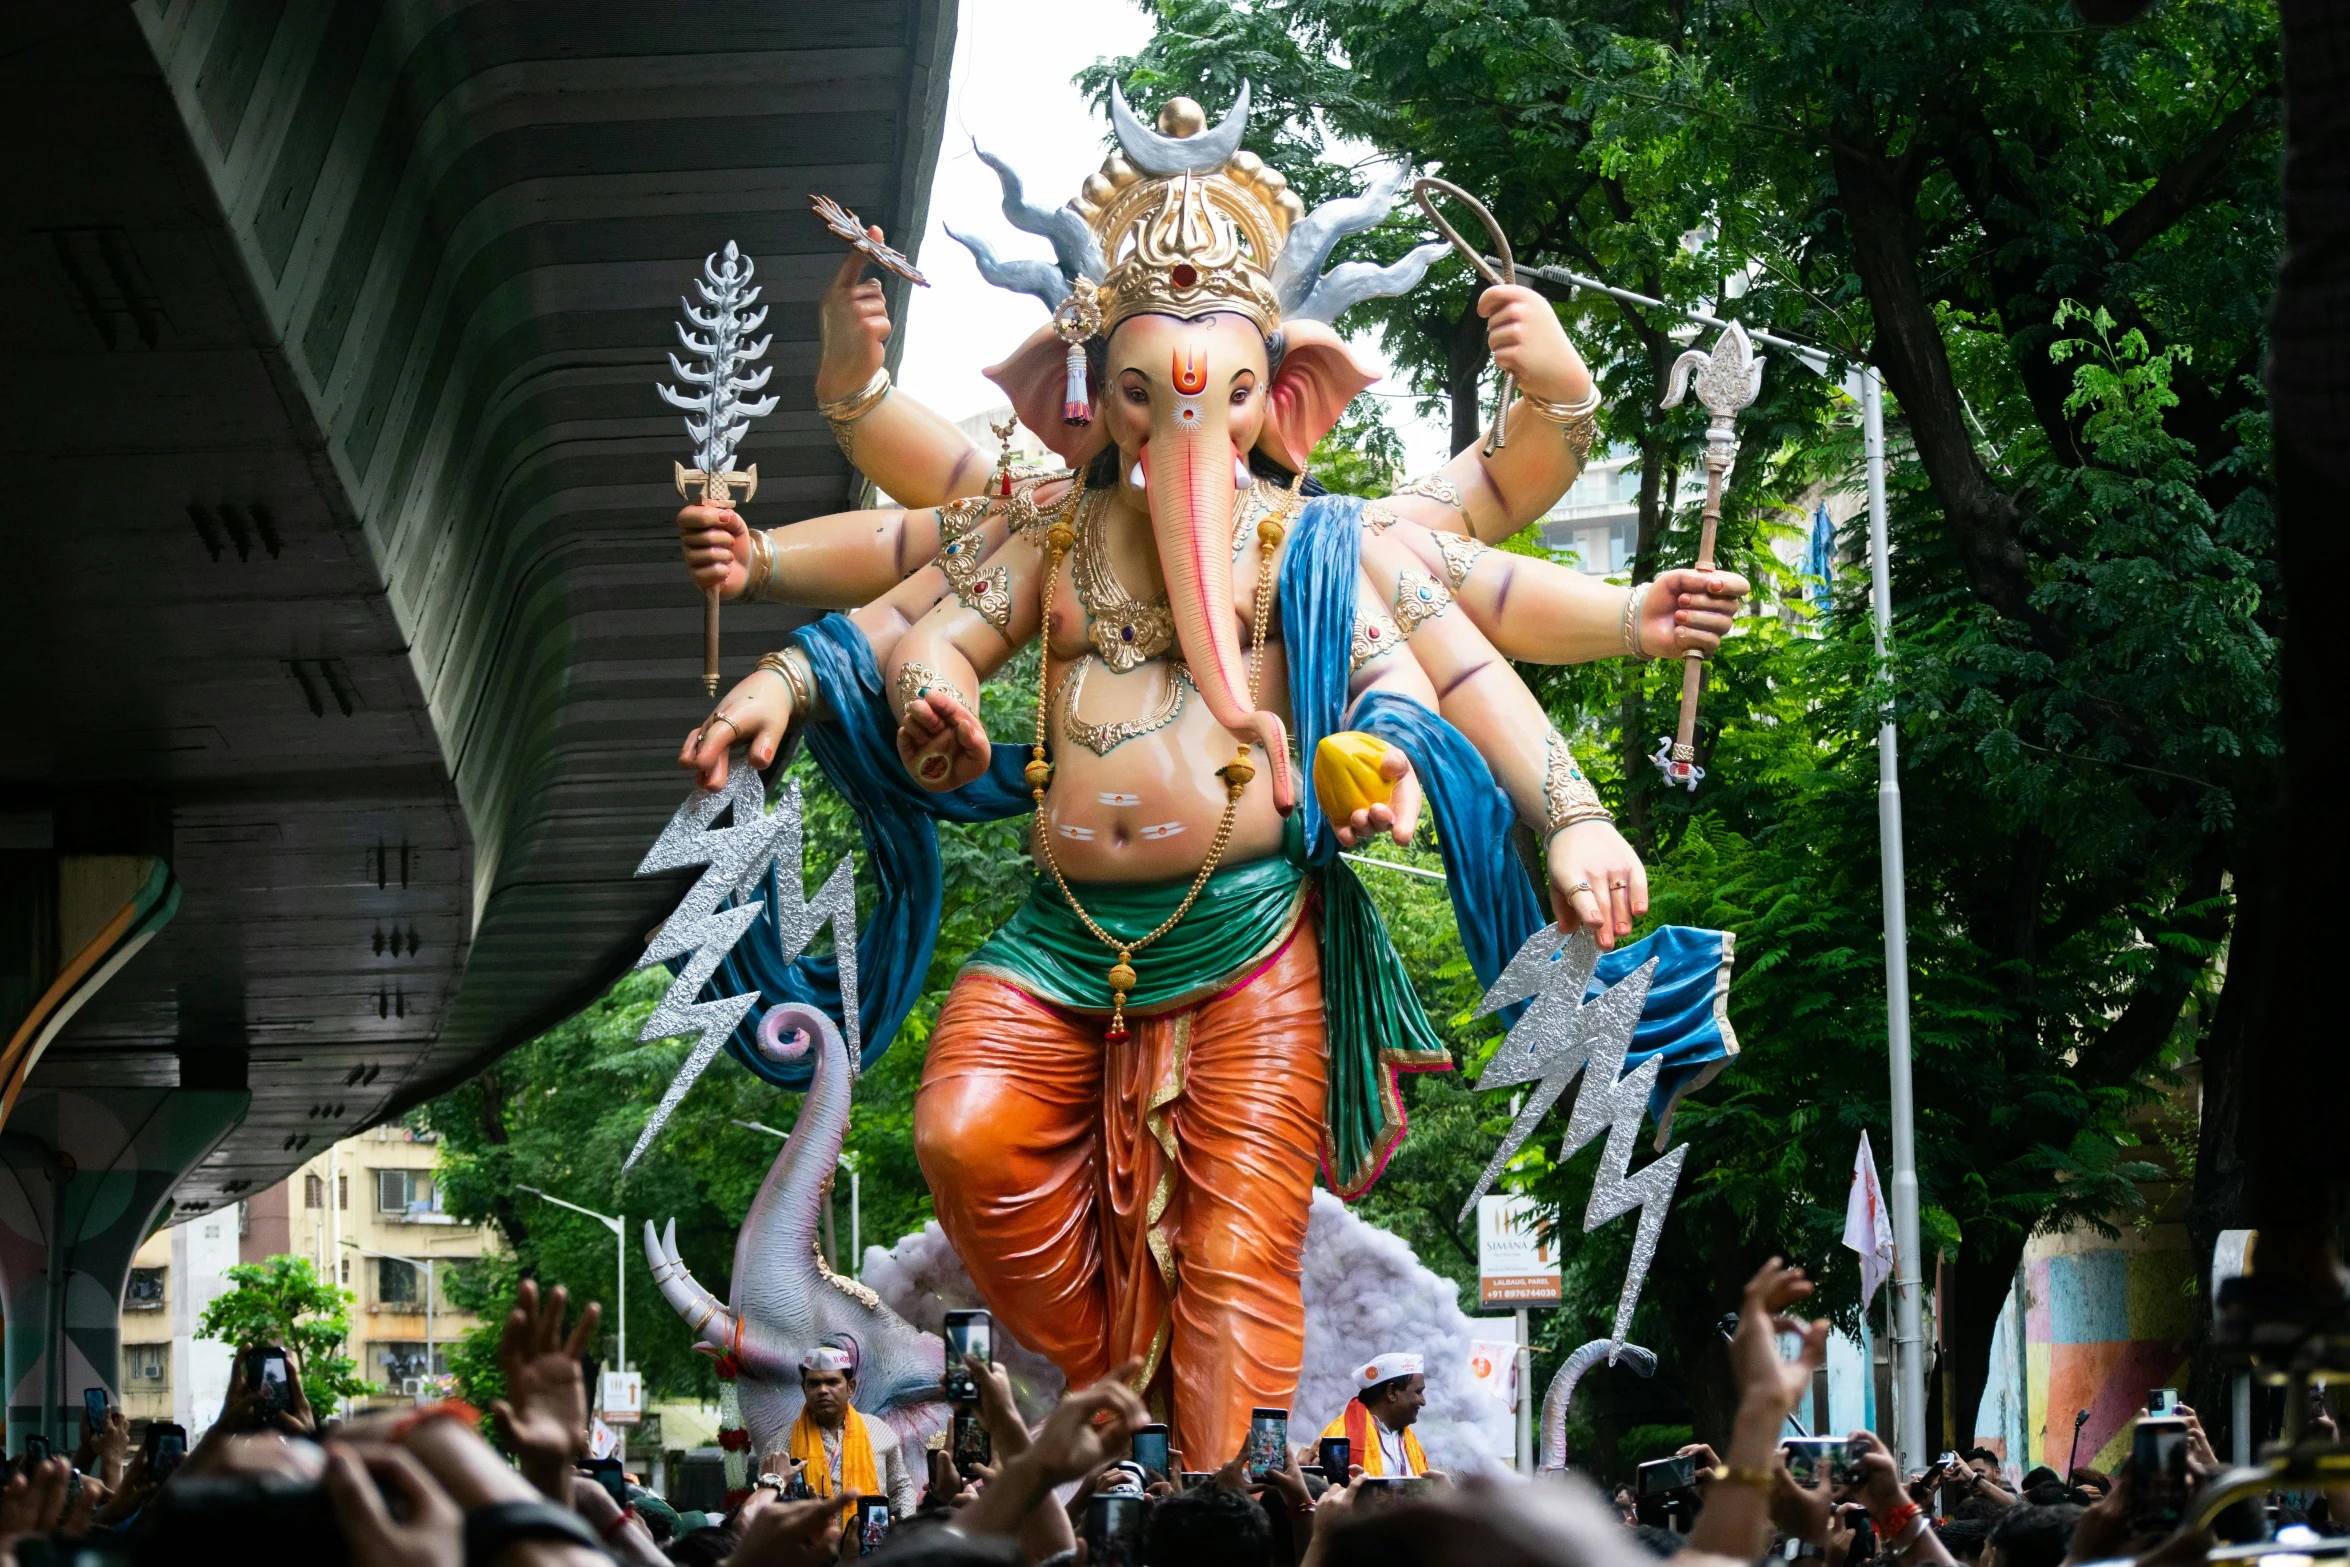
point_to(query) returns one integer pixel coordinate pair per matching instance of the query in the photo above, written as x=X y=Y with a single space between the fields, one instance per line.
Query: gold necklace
x=1125 y=631
x=1235 y=773
x=1102 y=739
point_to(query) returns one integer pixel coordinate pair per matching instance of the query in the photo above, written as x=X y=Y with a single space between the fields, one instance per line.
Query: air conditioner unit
x=412 y=1387
x=153 y=1371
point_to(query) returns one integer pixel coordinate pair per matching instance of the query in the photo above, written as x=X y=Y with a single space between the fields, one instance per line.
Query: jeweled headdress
x=1180 y=221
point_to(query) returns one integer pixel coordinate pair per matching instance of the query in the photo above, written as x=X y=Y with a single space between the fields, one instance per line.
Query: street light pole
x=618 y=1225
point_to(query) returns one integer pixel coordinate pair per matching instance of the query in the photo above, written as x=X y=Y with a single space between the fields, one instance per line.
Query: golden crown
x=1180 y=221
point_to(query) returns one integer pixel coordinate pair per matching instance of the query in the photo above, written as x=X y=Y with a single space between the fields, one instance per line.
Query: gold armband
x=1567 y=795
x=1632 y=597
x=918 y=680
x=1577 y=421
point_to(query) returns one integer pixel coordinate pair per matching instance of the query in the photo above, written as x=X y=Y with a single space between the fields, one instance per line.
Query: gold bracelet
x=917 y=680
x=1762 y=1480
x=1567 y=796
x=1632 y=647
x=792 y=666
x=859 y=403
x=761 y=569
x=1578 y=421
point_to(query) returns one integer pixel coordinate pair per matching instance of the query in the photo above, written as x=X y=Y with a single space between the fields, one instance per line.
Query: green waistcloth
x=1241 y=915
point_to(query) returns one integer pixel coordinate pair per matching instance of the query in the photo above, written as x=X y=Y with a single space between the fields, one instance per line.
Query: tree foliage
x=283 y=1301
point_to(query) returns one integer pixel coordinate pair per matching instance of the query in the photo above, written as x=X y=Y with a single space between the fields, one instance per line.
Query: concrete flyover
x=346 y=641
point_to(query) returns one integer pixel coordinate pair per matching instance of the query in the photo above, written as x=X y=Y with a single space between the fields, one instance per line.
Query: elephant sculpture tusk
x=1562 y=1391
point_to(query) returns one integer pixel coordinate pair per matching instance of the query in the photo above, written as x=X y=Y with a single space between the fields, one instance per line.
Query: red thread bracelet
x=1893 y=1521
x=617 y=1524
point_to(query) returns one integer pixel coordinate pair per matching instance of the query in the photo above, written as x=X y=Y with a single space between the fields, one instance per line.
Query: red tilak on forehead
x=1191 y=374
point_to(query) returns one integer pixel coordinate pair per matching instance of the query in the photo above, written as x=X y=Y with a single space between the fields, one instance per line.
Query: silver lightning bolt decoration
x=1559 y=1035
x=736 y=855
x=716 y=415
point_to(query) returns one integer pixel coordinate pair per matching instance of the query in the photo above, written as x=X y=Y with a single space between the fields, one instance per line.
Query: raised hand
x=428 y=1531
x=1685 y=610
x=852 y=325
x=1523 y=334
x=1767 y=1383
x=1597 y=882
x=942 y=743
x=1089 y=1428
x=1398 y=815
x=543 y=1417
x=792 y=1534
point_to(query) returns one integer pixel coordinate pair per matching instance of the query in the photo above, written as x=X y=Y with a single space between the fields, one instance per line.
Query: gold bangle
x=1632 y=647
x=1761 y=1479
x=1567 y=795
x=859 y=403
x=761 y=569
x=791 y=665
x=1578 y=421
x=918 y=680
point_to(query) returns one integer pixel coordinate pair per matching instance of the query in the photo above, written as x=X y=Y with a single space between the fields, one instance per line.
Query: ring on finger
x=1581 y=886
x=721 y=718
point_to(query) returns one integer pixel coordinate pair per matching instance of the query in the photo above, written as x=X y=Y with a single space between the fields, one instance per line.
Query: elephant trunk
x=1192 y=502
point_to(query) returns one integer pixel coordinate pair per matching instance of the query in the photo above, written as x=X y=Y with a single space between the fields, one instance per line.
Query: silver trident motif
x=1727 y=380
x=716 y=415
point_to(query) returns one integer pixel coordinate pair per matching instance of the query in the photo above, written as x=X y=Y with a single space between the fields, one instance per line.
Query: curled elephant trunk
x=1192 y=500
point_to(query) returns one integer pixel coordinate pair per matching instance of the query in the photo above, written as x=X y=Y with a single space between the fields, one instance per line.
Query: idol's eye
x=1240 y=394
x=1138 y=395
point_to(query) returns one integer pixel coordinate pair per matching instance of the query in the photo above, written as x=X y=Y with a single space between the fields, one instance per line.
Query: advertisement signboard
x=1516 y=1263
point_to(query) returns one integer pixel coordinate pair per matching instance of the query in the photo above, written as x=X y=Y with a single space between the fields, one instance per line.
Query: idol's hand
x=852 y=324
x=941 y=742
x=1685 y=610
x=758 y=711
x=1523 y=334
x=717 y=548
x=1596 y=881
x=1399 y=814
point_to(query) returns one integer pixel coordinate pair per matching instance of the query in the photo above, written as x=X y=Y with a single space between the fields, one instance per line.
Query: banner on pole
x=1517 y=1264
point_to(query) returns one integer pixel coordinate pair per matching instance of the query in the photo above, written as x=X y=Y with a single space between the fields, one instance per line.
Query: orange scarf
x=1355 y=1425
x=857 y=1471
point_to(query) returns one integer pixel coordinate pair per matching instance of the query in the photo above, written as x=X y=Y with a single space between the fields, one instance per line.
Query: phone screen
x=1113 y=1529
x=967 y=1333
x=1150 y=1451
x=2159 y=1482
x=1660 y=1475
x=1336 y=1456
x=170 y=1446
x=37 y=1450
x=266 y=1372
x=94 y=1406
x=872 y=1523
x=1268 y=1442
x=2162 y=1400
x=972 y=1445
x=607 y=1473
x=1812 y=1459
x=1193 y=1478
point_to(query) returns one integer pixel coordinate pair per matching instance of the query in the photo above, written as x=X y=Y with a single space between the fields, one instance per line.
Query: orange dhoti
x=1139 y=1201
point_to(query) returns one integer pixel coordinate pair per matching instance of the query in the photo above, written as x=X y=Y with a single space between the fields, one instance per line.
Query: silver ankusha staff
x=715 y=415
x=1728 y=380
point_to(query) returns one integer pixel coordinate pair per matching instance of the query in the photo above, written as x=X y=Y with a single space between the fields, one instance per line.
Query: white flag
x=1868 y=1229
x=1491 y=1364
x=603 y=1441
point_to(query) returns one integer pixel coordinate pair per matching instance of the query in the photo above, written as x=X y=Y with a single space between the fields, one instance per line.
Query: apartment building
x=367 y=1212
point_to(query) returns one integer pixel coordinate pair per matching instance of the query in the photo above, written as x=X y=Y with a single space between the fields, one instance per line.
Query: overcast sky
x=1011 y=88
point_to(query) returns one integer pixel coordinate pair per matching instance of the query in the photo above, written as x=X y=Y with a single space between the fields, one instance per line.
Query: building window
x=313 y=1191
x=146 y=1368
x=144 y=1292
x=346 y=1270
x=398 y=1283
x=343 y=1193
x=405 y=1192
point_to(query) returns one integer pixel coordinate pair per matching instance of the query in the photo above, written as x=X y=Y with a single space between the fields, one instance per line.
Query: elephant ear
x=1036 y=378
x=1317 y=379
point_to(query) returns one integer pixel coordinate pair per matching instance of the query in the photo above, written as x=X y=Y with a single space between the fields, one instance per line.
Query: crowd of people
x=424 y=1487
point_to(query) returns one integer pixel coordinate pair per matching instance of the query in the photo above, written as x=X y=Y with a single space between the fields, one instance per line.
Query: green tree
x=283 y=1301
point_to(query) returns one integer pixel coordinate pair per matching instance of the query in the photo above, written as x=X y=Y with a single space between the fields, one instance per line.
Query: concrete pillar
x=84 y=1179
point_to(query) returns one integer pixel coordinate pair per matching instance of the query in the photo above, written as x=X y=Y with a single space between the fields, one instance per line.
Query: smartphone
x=2159 y=1483
x=1373 y=1490
x=1196 y=1477
x=1812 y=1459
x=1150 y=1451
x=265 y=1374
x=970 y=1445
x=2162 y=1401
x=872 y=1523
x=165 y=1445
x=1864 y=1534
x=94 y=1408
x=967 y=1333
x=1335 y=1455
x=38 y=1450
x=1660 y=1475
x=1113 y=1529
x=1268 y=1442
x=606 y=1473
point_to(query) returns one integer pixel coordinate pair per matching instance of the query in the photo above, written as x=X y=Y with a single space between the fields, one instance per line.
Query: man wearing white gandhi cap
x=1377 y=1421
x=838 y=1451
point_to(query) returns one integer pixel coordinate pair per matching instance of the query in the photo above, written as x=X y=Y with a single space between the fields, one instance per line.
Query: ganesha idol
x=1131 y=1086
